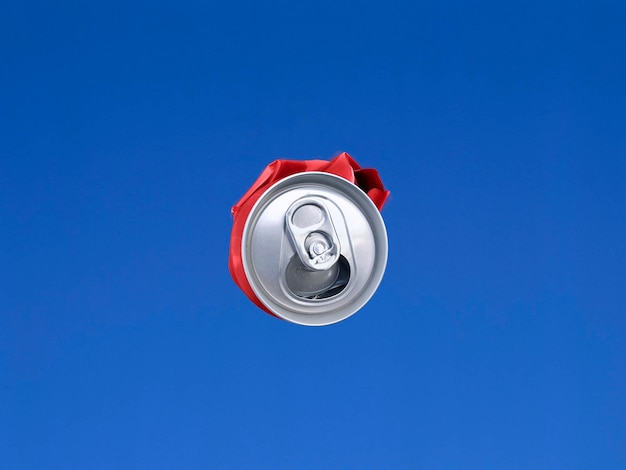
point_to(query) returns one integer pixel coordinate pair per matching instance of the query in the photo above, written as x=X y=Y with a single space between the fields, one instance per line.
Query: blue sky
x=497 y=337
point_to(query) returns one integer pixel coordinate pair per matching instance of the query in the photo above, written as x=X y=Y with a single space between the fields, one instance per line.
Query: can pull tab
x=313 y=234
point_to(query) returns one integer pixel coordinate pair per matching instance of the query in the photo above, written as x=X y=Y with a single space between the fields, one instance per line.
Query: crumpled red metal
x=342 y=165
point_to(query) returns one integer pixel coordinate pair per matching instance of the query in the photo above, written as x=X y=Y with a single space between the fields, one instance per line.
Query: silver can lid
x=314 y=248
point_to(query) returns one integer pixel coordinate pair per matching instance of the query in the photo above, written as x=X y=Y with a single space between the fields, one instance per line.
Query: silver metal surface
x=312 y=233
x=314 y=248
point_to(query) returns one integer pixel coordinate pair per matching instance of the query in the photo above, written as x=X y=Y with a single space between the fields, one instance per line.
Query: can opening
x=306 y=283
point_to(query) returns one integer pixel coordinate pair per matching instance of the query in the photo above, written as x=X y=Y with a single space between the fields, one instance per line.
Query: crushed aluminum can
x=308 y=243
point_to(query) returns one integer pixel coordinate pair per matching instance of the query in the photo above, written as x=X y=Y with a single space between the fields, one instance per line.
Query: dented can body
x=314 y=248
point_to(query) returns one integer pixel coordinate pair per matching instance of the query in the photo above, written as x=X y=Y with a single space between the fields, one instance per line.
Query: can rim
x=379 y=232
